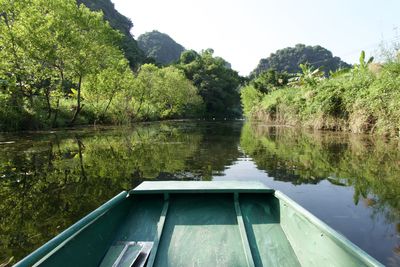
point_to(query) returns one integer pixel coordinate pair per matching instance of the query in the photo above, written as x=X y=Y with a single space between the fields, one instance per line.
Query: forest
x=64 y=64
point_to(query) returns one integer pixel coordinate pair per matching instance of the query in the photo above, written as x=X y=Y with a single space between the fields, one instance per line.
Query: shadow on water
x=50 y=180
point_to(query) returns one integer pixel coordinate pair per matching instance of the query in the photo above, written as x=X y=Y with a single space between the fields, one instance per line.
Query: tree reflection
x=370 y=166
x=49 y=181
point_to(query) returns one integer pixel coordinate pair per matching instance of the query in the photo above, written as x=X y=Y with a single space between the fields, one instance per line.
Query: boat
x=199 y=223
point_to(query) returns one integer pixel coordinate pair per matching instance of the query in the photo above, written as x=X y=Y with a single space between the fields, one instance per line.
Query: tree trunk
x=78 y=103
x=47 y=94
x=80 y=147
x=108 y=104
x=56 y=113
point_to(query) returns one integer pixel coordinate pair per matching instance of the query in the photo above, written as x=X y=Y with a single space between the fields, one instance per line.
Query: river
x=48 y=180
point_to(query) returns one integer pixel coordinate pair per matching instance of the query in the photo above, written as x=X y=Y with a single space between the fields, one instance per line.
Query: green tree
x=49 y=48
x=88 y=47
x=101 y=89
x=269 y=80
x=363 y=63
x=251 y=98
x=134 y=55
x=217 y=83
x=163 y=93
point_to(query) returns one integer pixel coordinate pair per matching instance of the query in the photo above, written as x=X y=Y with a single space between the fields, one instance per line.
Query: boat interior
x=203 y=229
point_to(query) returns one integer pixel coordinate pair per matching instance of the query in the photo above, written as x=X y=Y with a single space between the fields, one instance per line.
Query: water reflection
x=50 y=180
x=369 y=167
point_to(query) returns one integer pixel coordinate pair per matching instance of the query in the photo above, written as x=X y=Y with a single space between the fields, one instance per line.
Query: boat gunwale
x=329 y=231
x=59 y=240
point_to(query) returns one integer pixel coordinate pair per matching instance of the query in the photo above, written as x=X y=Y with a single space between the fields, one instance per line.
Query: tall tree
x=121 y=23
x=48 y=43
x=164 y=93
x=217 y=82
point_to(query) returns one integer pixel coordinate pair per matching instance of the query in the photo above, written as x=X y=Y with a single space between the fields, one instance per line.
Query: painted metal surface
x=269 y=244
x=73 y=230
x=200 y=187
x=201 y=230
x=324 y=246
x=202 y=224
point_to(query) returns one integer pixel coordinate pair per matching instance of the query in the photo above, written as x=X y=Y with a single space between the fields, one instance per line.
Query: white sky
x=244 y=31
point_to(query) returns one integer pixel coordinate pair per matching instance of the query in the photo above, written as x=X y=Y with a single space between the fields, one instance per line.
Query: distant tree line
x=289 y=59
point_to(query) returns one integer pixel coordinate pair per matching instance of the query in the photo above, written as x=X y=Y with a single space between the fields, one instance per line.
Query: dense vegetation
x=364 y=98
x=159 y=46
x=62 y=65
x=65 y=64
x=133 y=54
x=290 y=58
x=217 y=83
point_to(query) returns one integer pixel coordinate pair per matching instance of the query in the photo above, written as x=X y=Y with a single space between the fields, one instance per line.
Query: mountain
x=289 y=59
x=160 y=46
x=119 y=22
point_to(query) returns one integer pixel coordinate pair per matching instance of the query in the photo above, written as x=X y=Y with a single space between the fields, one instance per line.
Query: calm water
x=50 y=180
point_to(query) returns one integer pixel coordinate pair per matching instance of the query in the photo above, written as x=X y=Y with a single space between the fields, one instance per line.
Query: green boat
x=227 y=223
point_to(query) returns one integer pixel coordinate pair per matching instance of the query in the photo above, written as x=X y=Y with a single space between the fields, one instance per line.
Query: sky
x=244 y=31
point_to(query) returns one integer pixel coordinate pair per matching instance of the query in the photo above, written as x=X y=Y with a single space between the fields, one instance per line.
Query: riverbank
x=364 y=99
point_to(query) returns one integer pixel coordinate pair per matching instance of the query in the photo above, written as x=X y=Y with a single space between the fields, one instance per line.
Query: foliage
x=160 y=46
x=251 y=98
x=217 y=83
x=364 y=63
x=308 y=76
x=269 y=80
x=289 y=59
x=50 y=47
x=62 y=65
x=164 y=93
x=121 y=23
x=356 y=100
